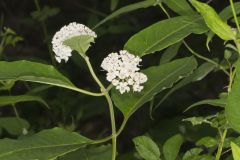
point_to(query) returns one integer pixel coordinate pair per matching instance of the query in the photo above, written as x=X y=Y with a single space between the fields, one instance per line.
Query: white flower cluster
x=123 y=71
x=63 y=52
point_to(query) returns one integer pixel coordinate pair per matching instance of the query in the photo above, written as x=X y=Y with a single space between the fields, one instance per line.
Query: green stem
x=205 y=59
x=86 y=92
x=122 y=126
x=164 y=10
x=110 y=104
x=235 y=15
x=232 y=75
x=220 y=146
x=192 y=51
x=102 y=140
x=15 y=111
x=45 y=32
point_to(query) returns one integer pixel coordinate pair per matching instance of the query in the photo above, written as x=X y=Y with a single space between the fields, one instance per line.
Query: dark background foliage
x=88 y=115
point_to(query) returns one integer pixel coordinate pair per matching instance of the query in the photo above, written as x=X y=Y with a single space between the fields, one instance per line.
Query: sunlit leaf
x=213 y=21
x=235 y=151
x=225 y=14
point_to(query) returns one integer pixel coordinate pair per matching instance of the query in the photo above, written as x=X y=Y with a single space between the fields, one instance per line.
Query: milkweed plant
x=128 y=85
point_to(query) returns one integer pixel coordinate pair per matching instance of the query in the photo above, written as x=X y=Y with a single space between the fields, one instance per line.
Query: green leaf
x=225 y=14
x=172 y=146
x=159 y=78
x=80 y=43
x=181 y=7
x=190 y=154
x=170 y=53
x=213 y=21
x=146 y=148
x=164 y=34
x=34 y=72
x=232 y=106
x=47 y=144
x=198 y=120
x=235 y=151
x=97 y=153
x=213 y=102
x=201 y=72
x=9 y=100
x=13 y=125
x=114 y=4
x=126 y=9
x=207 y=142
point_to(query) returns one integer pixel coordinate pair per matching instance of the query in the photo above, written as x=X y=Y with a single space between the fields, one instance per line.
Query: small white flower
x=123 y=71
x=123 y=87
x=110 y=76
x=130 y=81
x=137 y=88
x=140 y=77
x=115 y=82
x=63 y=52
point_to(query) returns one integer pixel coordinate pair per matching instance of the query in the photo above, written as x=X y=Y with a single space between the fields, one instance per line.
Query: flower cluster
x=123 y=71
x=63 y=52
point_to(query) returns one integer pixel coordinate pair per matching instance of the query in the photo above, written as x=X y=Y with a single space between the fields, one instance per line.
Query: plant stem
x=85 y=92
x=45 y=32
x=231 y=77
x=192 y=51
x=15 y=111
x=110 y=104
x=205 y=59
x=220 y=146
x=102 y=140
x=164 y=10
x=122 y=126
x=234 y=15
